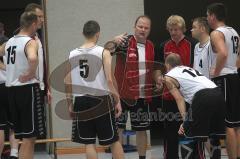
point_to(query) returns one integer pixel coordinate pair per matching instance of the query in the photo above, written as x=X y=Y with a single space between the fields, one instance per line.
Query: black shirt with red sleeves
x=185 y=49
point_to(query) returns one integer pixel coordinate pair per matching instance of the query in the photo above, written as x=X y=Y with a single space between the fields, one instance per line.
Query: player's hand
x=181 y=130
x=213 y=73
x=159 y=82
x=118 y=109
x=26 y=77
x=71 y=112
x=2 y=66
x=120 y=39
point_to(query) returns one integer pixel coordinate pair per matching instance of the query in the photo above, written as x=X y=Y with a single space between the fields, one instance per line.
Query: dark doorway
x=159 y=11
x=10 y=12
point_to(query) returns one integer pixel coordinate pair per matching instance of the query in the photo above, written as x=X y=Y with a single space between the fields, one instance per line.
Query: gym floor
x=155 y=152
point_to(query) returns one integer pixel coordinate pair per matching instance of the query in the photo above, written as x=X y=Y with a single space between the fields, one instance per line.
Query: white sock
x=14 y=152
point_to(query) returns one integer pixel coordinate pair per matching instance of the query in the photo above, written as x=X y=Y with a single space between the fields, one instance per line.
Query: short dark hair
x=27 y=19
x=142 y=16
x=203 y=21
x=219 y=10
x=31 y=7
x=173 y=60
x=91 y=28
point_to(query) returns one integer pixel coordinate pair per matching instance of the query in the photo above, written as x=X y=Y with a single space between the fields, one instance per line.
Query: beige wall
x=65 y=19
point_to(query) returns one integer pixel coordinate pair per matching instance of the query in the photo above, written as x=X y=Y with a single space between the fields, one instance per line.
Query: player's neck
x=89 y=43
x=203 y=40
x=26 y=32
x=219 y=24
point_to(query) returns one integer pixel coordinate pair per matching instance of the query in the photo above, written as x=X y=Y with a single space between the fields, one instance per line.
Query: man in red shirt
x=133 y=73
x=184 y=47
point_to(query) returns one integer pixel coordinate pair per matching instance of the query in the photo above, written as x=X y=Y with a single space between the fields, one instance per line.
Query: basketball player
x=206 y=113
x=37 y=9
x=203 y=59
x=23 y=85
x=225 y=43
x=3 y=94
x=4 y=106
x=90 y=68
x=6 y=124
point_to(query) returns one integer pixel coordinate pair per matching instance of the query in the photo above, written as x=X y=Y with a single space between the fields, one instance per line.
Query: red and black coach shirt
x=185 y=49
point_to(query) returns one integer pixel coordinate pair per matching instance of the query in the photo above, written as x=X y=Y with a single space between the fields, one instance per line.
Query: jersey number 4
x=200 y=63
x=84 y=68
x=235 y=42
x=192 y=72
x=11 y=54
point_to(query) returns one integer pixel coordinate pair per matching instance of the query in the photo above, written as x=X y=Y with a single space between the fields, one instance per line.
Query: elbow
x=109 y=81
x=224 y=55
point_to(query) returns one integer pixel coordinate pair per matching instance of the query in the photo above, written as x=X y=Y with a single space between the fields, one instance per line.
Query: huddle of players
x=184 y=83
x=215 y=56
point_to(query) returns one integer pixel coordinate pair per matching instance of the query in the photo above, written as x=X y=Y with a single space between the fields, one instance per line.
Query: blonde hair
x=176 y=20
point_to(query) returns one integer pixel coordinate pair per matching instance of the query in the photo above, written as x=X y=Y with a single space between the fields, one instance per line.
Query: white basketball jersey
x=203 y=58
x=16 y=60
x=3 y=72
x=190 y=81
x=87 y=73
x=232 y=42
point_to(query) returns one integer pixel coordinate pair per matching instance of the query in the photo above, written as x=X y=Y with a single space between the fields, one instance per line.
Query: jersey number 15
x=11 y=56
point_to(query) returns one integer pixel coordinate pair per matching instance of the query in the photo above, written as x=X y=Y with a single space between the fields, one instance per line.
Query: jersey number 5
x=84 y=68
x=11 y=54
x=192 y=72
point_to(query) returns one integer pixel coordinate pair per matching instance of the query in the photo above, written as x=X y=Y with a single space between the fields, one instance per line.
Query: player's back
x=16 y=60
x=87 y=71
x=231 y=38
x=190 y=81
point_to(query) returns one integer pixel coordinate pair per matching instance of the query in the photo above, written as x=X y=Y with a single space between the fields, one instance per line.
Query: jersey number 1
x=192 y=72
x=11 y=54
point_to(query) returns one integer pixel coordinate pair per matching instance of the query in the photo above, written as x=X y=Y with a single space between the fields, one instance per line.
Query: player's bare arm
x=158 y=78
x=2 y=49
x=68 y=89
x=238 y=60
x=107 y=63
x=32 y=56
x=218 y=43
x=2 y=66
x=172 y=86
